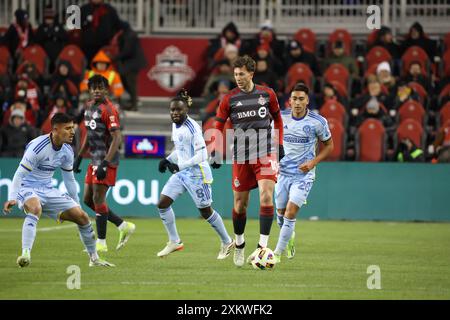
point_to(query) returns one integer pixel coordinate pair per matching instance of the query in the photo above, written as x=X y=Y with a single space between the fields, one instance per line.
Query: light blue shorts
x=292 y=188
x=200 y=192
x=53 y=201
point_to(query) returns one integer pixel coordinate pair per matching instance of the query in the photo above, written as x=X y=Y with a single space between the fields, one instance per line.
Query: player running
x=251 y=108
x=33 y=191
x=103 y=139
x=302 y=129
x=191 y=172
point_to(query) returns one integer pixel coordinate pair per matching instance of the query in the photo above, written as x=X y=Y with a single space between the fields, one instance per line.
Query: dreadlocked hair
x=183 y=96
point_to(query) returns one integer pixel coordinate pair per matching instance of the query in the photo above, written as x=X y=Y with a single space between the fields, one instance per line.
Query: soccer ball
x=264 y=259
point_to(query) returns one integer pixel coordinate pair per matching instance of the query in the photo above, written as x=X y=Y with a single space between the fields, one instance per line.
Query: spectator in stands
x=407 y=151
x=222 y=72
x=61 y=104
x=295 y=53
x=264 y=52
x=264 y=75
x=373 y=109
x=373 y=92
x=229 y=35
x=52 y=36
x=29 y=70
x=130 y=60
x=16 y=135
x=417 y=37
x=386 y=79
x=441 y=145
x=231 y=53
x=99 y=23
x=338 y=56
x=64 y=81
x=267 y=36
x=101 y=64
x=220 y=89
x=29 y=92
x=385 y=39
x=415 y=75
x=19 y=34
x=404 y=93
x=328 y=93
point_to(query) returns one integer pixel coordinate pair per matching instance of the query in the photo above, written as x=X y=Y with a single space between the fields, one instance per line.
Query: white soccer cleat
x=25 y=259
x=100 y=263
x=252 y=255
x=225 y=250
x=239 y=257
x=125 y=234
x=171 y=247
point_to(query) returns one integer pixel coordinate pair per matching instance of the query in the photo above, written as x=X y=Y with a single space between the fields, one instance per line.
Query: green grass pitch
x=331 y=263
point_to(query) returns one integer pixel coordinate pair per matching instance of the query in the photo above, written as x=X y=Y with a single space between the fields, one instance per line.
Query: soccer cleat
x=239 y=257
x=290 y=248
x=101 y=247
x=125 y=234
x=252 y=255
x=100 y=263
x=277 y=258
x=171 y=247
x=25 y=259
x=225 y=250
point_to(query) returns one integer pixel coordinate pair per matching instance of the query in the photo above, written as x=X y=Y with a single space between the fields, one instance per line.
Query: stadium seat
x=377 y=55
x=372 y=37
x=75 y=56
x=412 y=110
x=371 y=70
x=36 y=54
x=412 y=129
x=334 y=110
x=447 y=41
x=344 y=36
x=340 y=88
x=299 y=72
x=339 y=140
x=420 y=90
x=446 y=63
x=444 y=92
x=444 y=113
x=307 y=38
x=337 y=72
x=412 y=54
x=5 y=60
x=370 y=141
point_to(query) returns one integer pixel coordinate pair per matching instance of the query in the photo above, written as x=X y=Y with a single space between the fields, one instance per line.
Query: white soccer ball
x=264 y=259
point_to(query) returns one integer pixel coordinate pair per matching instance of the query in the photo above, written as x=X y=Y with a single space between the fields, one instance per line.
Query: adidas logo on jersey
x=285 y=126
x=47 y=159
x=239 y=104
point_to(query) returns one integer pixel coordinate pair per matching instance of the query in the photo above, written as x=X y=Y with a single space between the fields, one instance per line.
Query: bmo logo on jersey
x=262 y=112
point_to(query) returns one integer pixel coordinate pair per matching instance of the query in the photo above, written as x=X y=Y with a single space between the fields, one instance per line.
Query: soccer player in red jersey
x=103 y=138
x=251 y=109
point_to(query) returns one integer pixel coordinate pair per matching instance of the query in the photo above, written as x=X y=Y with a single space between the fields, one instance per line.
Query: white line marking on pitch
x=46 y=229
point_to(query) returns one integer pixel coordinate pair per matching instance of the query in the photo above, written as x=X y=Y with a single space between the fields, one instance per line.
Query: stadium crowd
x=385 y=100
x=44 y=70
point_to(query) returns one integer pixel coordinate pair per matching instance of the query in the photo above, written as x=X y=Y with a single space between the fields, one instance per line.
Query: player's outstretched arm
x=7 y=206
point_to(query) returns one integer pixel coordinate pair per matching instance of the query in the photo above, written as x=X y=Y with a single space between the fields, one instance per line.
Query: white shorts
x=53 y=201
x=200 y=192
x=292 y=188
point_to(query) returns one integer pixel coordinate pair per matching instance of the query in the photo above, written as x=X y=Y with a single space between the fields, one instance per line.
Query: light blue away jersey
x=189 y=142
x=300 y=140
x=41 y=160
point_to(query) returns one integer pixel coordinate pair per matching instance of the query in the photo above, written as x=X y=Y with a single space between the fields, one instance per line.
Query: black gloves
x=101 y=170
x=214 y=158
x=76 y=164
x=173 y=167
x=280 y=152
x=163 y=164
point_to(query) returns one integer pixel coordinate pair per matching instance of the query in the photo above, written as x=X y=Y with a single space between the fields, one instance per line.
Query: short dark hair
x=97 y=80
x=245 y=61
x=301 y=87
x=61 y=118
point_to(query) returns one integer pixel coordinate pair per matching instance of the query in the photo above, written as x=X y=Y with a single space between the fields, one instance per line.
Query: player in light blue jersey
x=32 y=189
x=191 y=172
x=302 y=131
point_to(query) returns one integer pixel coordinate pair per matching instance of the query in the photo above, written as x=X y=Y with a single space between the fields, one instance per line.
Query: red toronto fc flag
x=173 y=63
